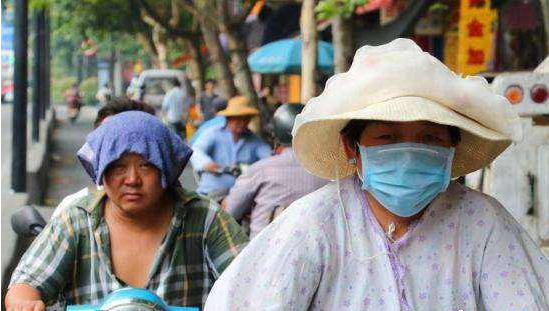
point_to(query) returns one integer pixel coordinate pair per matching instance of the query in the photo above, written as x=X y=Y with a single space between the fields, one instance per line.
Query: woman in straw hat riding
x=393 y=232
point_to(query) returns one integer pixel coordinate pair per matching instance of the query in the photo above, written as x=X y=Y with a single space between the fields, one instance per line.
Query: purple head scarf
x=135 y=132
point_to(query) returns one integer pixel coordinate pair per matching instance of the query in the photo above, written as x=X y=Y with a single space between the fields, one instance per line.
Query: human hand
x=212 y=167
x=23 y=297
x=26 y=305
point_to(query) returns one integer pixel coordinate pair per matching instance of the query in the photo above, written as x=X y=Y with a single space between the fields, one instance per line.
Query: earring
x=352 y=161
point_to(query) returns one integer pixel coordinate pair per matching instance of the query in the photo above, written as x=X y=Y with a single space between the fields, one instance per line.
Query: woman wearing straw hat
x=227 y=145
x=392 y=232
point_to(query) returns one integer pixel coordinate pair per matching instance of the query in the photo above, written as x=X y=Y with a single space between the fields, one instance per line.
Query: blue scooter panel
x=125 y=297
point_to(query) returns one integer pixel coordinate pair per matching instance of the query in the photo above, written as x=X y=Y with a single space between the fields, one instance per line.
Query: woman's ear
x=349 y=147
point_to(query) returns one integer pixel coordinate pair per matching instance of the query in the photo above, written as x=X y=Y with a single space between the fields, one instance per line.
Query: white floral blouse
x=465 y=253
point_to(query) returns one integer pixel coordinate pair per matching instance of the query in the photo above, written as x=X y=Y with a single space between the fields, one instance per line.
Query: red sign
x=477 y=3
x=475 y=28
x=475 y=57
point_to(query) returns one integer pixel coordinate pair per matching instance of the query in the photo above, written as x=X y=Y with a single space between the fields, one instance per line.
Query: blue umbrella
x=284 y=56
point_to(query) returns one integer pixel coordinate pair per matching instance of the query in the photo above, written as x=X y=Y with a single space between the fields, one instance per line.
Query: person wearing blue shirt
x=232 y=144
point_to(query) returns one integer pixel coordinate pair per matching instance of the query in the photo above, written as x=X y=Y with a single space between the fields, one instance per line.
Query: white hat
x=399 y=82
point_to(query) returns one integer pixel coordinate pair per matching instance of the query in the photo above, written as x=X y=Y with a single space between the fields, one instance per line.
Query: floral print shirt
x=328 y=252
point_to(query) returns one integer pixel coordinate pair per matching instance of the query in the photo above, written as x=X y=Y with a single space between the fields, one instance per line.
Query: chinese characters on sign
x=476 y=36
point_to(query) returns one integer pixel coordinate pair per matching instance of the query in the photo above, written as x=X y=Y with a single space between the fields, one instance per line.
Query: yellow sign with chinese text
x=476 y=36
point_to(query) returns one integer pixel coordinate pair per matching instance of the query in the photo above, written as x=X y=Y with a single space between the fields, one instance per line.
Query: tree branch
x=151 y=15
x=198 y=12
x=174 y=20
x=240 y=18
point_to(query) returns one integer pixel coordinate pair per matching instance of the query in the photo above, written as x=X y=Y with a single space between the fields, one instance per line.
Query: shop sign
x=476 y=36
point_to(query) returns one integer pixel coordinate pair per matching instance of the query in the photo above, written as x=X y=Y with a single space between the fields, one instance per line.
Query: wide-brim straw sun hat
x=238 y=106
x=399 y=82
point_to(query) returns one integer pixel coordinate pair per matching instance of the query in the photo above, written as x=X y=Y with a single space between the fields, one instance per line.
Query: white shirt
x=176 y=104
x=465 y=253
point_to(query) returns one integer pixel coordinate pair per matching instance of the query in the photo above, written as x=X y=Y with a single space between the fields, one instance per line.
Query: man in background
x=175 y=107
x=272 y=183
x=207 y=98
x=226 y=146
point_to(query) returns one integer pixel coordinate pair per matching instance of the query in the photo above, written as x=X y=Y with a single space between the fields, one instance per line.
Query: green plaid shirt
x=70 y=260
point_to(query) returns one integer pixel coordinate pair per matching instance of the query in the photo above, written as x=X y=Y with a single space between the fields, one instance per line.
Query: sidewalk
x=37 y=160
x=66 y=175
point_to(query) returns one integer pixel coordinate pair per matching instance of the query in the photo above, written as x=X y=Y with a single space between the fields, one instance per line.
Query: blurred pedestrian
x=103 y=95
x=175 y=107
x=73 y=99
x=207 y=98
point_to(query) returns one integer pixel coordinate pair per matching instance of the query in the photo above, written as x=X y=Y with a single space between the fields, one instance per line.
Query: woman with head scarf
x=392 y=231
x=142 y=230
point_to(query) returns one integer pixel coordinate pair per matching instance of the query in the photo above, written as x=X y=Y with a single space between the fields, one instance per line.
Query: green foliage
x=59 y=86
x=88 y=89
x=328 y=9
x=210 y=73
x=438 y=7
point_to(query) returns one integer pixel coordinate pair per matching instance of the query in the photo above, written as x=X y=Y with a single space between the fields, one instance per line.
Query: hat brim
x=241 y=112
x=319 y=148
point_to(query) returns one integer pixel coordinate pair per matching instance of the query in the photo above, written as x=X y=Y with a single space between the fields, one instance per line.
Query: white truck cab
x=519 y=177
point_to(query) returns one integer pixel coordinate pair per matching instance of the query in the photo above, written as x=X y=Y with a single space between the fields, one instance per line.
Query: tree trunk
x=148 y=45
x=91 y=66
x=342 y=34
x=239 y=62
x=112 y=61
x=238 y=52
x=218 y=58
x=196 y=64
x=79 y=67
x=160 y=42
x=309 y=50
x=545 y=9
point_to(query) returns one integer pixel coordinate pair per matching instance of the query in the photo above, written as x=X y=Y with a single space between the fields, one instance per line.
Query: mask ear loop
x=392 y=227
x=347 y=227
x=358 y=174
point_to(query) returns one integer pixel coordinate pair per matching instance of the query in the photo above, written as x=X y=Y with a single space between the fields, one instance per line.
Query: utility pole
x=47 y=56
x=38 y=72
x=19 y=131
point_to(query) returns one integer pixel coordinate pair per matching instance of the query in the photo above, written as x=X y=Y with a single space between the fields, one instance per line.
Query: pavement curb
x=39 y=162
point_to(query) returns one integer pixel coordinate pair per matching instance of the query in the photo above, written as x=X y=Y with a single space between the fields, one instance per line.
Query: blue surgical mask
x=405 y=177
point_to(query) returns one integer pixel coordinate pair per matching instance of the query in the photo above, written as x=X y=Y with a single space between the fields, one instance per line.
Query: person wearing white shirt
x=175 y=107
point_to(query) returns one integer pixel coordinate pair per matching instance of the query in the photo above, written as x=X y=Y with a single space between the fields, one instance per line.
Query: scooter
x=234 y=170
x=28 y=222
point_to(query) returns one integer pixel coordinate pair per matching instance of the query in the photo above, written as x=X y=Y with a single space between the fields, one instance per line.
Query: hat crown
x=400 y=68
x=239 y=106
x=238 y=102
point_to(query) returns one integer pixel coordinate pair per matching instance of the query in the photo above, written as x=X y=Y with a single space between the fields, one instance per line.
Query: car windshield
x=157 y=86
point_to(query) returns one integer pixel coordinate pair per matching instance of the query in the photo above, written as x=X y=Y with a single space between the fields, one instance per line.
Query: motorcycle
x=28 y=222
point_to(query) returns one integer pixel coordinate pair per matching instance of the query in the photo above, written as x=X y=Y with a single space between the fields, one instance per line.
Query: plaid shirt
x=70 y=260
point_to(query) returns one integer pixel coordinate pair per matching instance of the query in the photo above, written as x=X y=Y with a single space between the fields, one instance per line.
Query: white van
x=152 y=85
